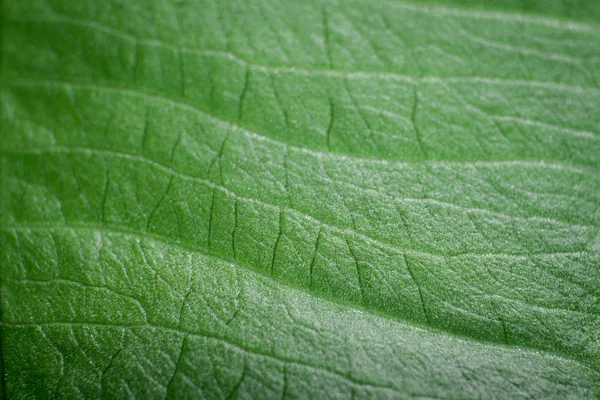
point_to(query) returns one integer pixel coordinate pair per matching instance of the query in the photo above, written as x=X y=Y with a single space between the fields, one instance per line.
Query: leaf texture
x=300 y=199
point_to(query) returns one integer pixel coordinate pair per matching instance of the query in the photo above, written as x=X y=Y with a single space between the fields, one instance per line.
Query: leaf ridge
x=220 y=186
x=337 y=228
x=260 y=137
x=238 y=346
x=275 y=280
x=316 y=71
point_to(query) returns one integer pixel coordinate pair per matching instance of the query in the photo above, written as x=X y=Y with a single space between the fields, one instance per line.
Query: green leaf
x=300 y=199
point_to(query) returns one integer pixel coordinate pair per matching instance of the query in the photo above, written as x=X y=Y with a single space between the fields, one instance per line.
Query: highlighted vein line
x=503 y=16
x=89 y=24
x=234 y=344
x=335 y=228
x=24 y=82
x=153 y=237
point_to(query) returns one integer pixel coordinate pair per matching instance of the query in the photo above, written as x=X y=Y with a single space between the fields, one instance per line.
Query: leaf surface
x=300 y=199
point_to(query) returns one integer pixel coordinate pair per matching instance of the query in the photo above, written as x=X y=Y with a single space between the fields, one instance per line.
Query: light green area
x=563 y=9
x=299 y=199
